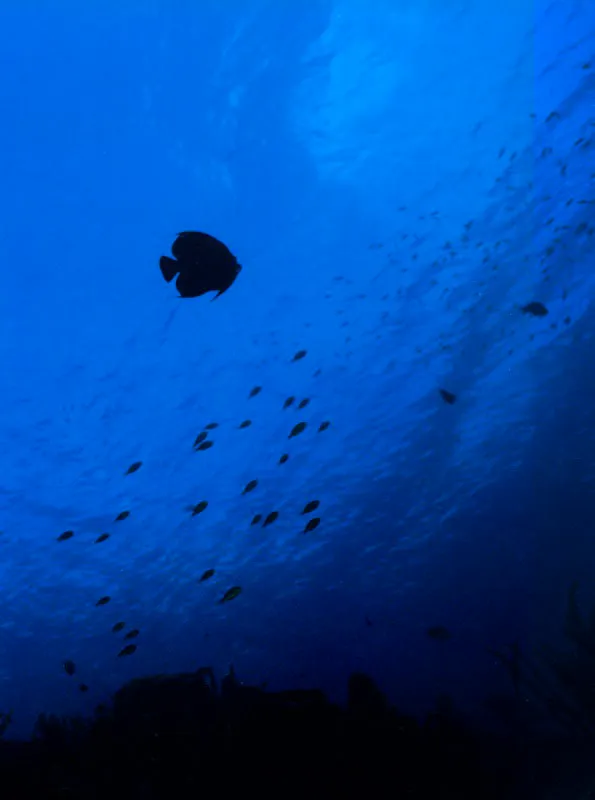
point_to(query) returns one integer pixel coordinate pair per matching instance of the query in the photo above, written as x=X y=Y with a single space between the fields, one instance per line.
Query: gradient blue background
x=317 y=139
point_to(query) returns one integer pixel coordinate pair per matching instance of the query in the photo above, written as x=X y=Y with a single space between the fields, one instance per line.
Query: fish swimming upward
x=202 y=264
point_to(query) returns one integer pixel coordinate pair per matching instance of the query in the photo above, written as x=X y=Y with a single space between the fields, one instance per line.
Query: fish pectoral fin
x=169 y=268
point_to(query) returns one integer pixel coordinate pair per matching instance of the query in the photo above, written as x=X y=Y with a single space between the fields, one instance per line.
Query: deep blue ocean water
x=395 y=184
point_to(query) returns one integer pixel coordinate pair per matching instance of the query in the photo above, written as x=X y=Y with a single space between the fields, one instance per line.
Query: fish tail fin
x=216 y=296
x=169 y=268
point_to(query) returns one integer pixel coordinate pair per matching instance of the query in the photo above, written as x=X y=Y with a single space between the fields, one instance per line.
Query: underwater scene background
x=409 y=187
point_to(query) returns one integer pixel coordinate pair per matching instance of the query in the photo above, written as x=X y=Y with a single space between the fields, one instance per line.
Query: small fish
x=132 y=634
x=119 y=626
x=246 y=423
x=199 y=507
x=297 y=429
x=103 y=600
x=249 y=487
x=283 y=458
x=202 y=264
x=303 y=403
x=256 y=519
x=447 y=396
x=535 y=309
x=312 y=524
x=231 y=594
x=439 y=633
x=64 y=536
x=83 y=687
x=127 y=651
x=205 y=445
x=323 y=426
x=289 y=402
x=134 y=467
x=270 y=518
x=199 y=439
x=122 y=515
x=102 y=538
x=208 y=573
x=299 y=355
x=69 y=667
x=311 y=506
x=255 y=391
x=211 y=426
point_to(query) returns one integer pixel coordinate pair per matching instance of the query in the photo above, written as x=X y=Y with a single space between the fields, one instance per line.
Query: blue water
x=336 y=148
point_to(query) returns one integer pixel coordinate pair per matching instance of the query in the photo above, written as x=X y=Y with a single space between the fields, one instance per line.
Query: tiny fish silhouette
x=323 y=426
x=205 y=445
x=83 y=687
x=211 y=426
x=311 y=506
x=256 y=519
x=270 y=518
x=69 y=667
x=199 y=439
x=103 y=600
x=303 y=403
x=102 y=538
x=246 y=423
x=255 y=391
x=132 y=634
x=289 y=402
x=208 y=573
x=199 y=507
x=202 y=264
x=134 y=467
x=127 y=651
x=447 y=396
x=249 y=487
x=119 y=626
x=122 y=515
x=297 y=429
x=535 y=309
x=231 y=594
x=299 y=355
x=312 y=524
x=283 y=458
x=64 y=536
x=438 y=633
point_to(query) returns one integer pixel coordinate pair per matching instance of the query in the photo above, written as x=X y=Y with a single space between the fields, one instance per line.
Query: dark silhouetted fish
x=132 y=634
x=199 y=439
x=438 y=632
x=134 y=467
x=102 y=538
x=299 y=355
x=69 y=667
x=198 y=508
x=297 y=429
x=64 y=536
x=255 y=391
x=283 y=458
x=256 y=519
x=249 y=487
x=447 y=396
x=231 y=594
x=208 y=573
x=202 y=264
x=311 y=506
x=119 y=626
x=323 y=426
x=303 y=403
x=211 y=426
x=127 y=651
x=122 y=515
x=103 y=601
x=246 y=423
x=535 y=309
x=289 y=402
x=83 y=687
x=270 y=518
x=205 y=445
x=312 y=524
